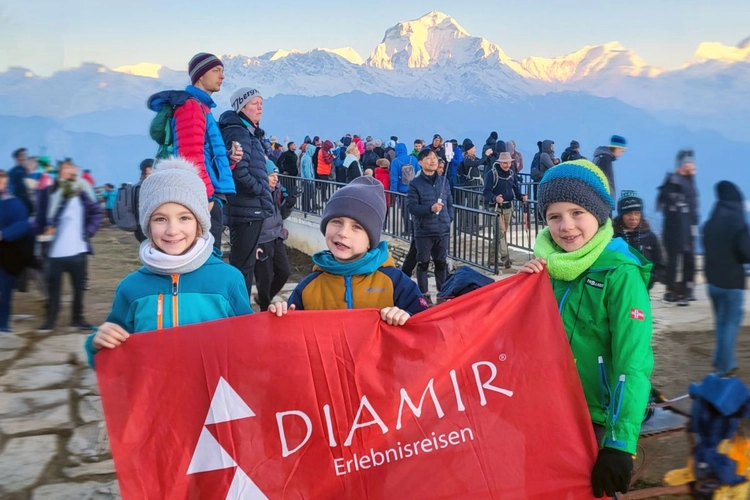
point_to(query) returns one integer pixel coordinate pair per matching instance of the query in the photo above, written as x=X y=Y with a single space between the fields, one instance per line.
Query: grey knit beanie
x=580 y=182
x=242 y=96
x=363 y=200
x=174 y=180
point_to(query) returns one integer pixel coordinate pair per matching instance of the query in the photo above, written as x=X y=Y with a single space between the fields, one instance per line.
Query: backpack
x=125 y=212
x=536 y=172
x=161 y=129
x=338 y=160
x=370 y=158
x=407 y=174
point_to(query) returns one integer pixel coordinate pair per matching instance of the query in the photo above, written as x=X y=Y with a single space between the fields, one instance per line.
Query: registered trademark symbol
x=503 y=357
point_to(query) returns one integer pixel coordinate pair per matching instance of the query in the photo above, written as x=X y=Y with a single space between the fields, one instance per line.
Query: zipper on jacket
x=175 y=315
x=605 y=392
x=617 y=404
x=160 y=312
x=348 y=294
x=564 y=297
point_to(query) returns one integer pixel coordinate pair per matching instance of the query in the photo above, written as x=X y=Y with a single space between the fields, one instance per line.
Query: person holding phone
x=252 y=202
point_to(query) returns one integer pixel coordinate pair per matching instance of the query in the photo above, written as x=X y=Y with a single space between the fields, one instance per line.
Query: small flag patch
x=637 y=314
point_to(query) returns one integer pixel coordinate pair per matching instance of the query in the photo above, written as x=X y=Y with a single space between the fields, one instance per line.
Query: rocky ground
x=52 y=437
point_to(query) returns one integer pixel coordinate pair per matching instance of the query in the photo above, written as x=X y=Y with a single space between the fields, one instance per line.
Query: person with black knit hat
x=252 y=202
x=678 y=201
x=604 y=156
x=726 y=244
x=632 y=226
x=572 y=152
x=357 y=271
x=600 y=287
x=470 y=169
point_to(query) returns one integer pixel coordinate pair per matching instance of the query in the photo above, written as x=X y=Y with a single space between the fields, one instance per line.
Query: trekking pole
x=442 y=189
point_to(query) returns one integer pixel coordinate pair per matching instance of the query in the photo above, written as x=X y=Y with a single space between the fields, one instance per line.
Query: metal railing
x=474 y=232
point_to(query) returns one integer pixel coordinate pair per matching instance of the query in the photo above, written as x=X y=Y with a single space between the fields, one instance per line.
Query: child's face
x=174 y=228
x=631 y=220
x=346 y=239
x=571 y=225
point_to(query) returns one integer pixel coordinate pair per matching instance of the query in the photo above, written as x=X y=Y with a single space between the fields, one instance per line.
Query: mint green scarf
x=567 y=266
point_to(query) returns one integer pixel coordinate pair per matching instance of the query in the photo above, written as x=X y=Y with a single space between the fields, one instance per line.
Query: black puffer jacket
x=253 y=200
x=726 y=240
x=678 y=201
x=645 y=241
x=424 y=191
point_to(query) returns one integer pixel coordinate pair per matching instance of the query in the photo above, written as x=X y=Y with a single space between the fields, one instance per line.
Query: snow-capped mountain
x=714 y=51
x=432 y=58
x=610 y=58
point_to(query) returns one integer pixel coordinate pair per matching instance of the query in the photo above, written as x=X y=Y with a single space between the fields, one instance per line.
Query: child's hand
x=533 y=266
x=394 y=316
x=109 y=335
x=280 y=308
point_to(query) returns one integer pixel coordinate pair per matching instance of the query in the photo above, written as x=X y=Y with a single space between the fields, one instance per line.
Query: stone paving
x=53 y=443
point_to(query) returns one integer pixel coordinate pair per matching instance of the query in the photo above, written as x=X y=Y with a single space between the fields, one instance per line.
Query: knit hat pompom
x=580 y=182
x=363 y=200
x=174 y=180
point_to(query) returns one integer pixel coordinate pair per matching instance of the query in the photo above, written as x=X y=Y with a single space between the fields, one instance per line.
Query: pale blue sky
x=48 y=35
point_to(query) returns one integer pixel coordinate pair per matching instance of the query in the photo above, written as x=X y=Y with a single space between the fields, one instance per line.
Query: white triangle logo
x=227 y=405
x=243 y=488
x=209 y=455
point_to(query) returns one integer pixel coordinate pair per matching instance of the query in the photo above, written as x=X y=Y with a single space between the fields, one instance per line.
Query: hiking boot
x=669 y=298
x=506 y=262
x=683 y=301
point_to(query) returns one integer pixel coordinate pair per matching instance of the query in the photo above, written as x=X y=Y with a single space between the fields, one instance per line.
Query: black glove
x=612 y=472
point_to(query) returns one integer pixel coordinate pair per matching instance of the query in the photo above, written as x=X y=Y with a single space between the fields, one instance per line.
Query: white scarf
x=159 y=262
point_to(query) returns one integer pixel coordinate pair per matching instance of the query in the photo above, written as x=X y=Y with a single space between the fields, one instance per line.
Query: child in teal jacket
x=181 y=282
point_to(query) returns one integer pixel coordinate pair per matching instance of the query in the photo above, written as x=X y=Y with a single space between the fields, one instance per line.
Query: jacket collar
x=201 y=95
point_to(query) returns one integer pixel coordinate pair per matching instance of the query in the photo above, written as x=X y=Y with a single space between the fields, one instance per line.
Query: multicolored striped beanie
x=580 y=182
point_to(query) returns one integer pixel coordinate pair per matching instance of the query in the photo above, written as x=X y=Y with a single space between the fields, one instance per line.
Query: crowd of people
x=226 y=172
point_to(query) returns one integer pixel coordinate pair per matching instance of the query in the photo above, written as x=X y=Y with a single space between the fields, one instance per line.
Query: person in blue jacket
x=181 y=282
x=403 y=158
x=14 y=225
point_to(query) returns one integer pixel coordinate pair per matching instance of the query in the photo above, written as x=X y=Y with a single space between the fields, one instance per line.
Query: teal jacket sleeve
x=119 y=315
x=631 y=325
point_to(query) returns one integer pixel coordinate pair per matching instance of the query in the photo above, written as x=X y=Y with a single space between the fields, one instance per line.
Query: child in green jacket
x=600 y=286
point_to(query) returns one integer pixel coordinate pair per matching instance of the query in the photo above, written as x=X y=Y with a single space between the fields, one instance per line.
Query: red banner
x=476 y=398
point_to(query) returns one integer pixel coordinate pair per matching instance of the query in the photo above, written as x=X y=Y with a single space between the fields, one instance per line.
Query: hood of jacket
x=230 y=119
x=346 y=141
x=547 y=147
x=401 y=150
x=510 y=147
x=603 y=151
x=201 y=95
x=620 y=253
